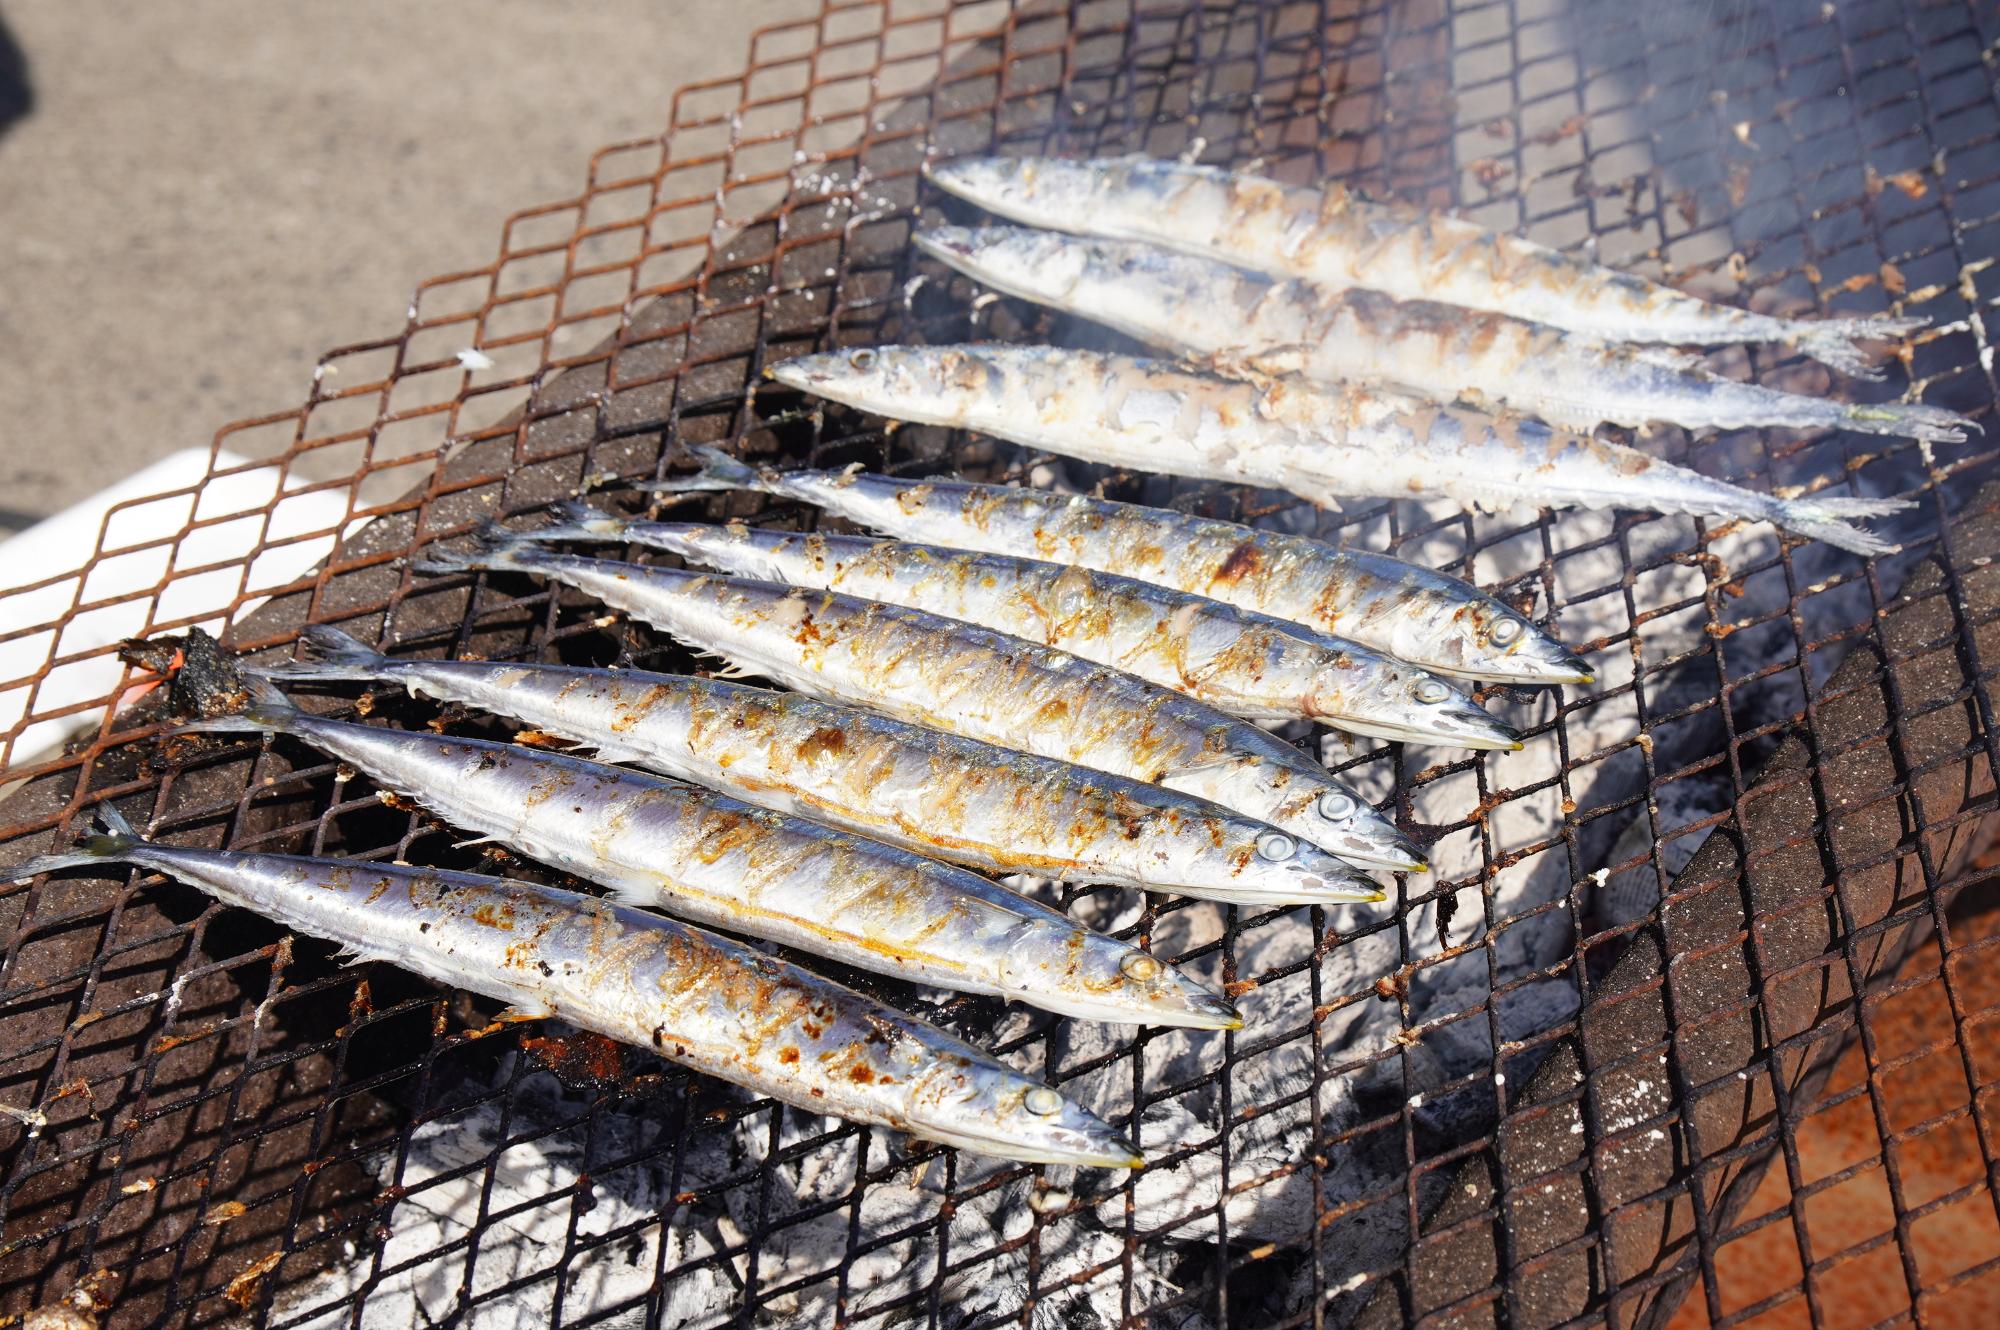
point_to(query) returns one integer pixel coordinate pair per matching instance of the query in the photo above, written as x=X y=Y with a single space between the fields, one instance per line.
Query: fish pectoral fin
x=613 y=753
x=524 y=1011
x=732 y=671
x=477 y=840
x=631 y=893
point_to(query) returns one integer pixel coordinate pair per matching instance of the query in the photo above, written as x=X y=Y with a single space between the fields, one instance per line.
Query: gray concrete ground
x=204 y=195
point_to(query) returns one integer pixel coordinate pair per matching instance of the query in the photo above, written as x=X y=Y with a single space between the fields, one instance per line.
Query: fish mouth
x=1212 y=1011
x=948 y=244
x=1540 y=660
x=1458 y=732
x=1093 y=1145
x=1188 y=1006
x=798 y=373
x=1384 y=846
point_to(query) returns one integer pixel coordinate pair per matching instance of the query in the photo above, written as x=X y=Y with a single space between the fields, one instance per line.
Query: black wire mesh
x=202 y=1119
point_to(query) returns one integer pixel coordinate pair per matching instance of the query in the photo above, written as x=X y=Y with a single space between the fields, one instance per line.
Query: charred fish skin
x=699 y=1000
x=1405 y=610
x=1246 y=664
x=1446 y=353
x=932 y=792
x=728 y=864
x=1323 y=442
x=1338 y=239
x=948 y=675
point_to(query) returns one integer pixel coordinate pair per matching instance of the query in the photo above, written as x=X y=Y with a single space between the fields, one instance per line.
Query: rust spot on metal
x=580 y=1058
x=242 y=1290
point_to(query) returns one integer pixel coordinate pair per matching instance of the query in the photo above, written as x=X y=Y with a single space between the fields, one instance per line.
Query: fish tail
x=1832 y=341
x=269 y=712
x=719 y=471
x=1932 y=424
x=1830 y=519
x=494 y=547
x=335 y=655
x=113 y=842
x=579 y=521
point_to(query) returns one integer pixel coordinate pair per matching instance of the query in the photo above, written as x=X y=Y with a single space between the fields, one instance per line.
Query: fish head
x=1085 y=974
x=1267 y=865
x=1043 y=266
x=921 y=381
x=1499 y=645
x=1328 y=815
x=1041 y=191
x=1404 y=703
x=994 y=1110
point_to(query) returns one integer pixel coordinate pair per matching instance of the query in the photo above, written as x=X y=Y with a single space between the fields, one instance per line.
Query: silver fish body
x=1441 y=351
x=1320 y=441
x=954 y=676
x=1407 y=611
x=1244 y=663
x=935 y=793
x=1338 y=239
x=700 y=1000
x=724 y=863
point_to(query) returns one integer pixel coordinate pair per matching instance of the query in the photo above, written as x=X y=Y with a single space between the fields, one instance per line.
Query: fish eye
x=1430 y=691
x=1042 y=1101
x=1504 y=631
x=1336 y=806
x=863 y=359
x=1276 y=846
x=1140 y=967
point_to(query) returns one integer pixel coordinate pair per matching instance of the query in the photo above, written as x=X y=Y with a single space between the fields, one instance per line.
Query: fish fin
x=1932 y=424
x=627 y=893
x=732 y=670
x=719 y=471
x=1828 y=519
x=629 y=757
x=494 y=547
x=579 y=521
x=1668 y=357
x=1832 y=341
x=335 y=655
x=525 y=1010
x=475 y=841
x=112 y=843
x=269 y=712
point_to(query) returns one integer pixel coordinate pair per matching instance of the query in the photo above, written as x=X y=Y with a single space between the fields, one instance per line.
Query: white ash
x=1372 y=1056
x=416 y=1279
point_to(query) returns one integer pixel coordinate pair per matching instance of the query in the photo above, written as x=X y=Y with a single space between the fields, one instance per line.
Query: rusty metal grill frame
x=201 y=1042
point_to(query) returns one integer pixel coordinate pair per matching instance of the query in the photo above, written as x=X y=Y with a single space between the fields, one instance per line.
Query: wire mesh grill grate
x=1693 y=1024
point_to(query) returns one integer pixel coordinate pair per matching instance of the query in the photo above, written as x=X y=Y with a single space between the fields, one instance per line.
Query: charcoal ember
x=202 y=679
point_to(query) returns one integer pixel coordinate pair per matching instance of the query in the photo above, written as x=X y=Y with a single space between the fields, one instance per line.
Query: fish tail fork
x=719 y=471
x=1829 y=519
x=335 y=655
x=1832 y=341
x=113 y=842
x=1932 y=424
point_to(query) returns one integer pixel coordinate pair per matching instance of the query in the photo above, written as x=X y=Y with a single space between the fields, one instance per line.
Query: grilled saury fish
x=717 y=861
x=985 y=685
x=1403 y=609
x=1339 y=239
x=932 y=792
x=1442 y=351
x=1238 y=661
x=702 y=1001
x=1320 y=441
